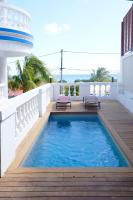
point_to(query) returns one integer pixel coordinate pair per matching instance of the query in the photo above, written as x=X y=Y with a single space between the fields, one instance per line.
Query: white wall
x=126 y=99
x=127 y=72
x=125 y=86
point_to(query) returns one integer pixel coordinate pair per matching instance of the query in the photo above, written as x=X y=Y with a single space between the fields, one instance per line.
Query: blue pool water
x=74 y=141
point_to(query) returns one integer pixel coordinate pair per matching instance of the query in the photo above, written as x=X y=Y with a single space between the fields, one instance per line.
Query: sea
x=70 y=78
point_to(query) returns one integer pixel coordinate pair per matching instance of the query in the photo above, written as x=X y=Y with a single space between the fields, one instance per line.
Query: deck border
x=34 y=132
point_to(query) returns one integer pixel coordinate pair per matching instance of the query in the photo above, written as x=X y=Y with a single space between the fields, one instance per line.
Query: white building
x=15 y=38
x=125 y=87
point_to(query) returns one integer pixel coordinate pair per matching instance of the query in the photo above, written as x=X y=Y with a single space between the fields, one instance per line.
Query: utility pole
x=61 y=68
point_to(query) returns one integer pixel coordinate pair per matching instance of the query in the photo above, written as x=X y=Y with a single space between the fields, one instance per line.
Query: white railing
x=17 y=117
x=26 y=113
x=2 y=89
x=103 y=90
x=14 y=18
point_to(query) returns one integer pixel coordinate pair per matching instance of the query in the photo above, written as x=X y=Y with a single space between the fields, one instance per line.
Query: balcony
x=14 y=18
x=15 y=32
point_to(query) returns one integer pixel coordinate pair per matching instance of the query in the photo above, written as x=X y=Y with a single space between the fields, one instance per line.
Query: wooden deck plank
x=65 y=188
x=70 y=179
x=66 y=194
x=91 y=174
x=65 y=198
x=65 y=183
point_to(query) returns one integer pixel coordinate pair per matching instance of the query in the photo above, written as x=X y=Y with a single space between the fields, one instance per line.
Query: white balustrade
x=14 y=18
x=69 y=89
x=26 y=113
x=77 y=90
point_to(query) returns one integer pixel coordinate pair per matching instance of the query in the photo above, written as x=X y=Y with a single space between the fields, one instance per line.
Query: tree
x=100 y=75
x=33 y=73
x=13 y=82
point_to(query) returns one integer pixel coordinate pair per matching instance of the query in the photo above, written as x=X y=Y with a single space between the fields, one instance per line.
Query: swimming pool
x=74 y=141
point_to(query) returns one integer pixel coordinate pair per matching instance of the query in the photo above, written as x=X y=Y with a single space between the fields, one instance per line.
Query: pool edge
x=33 y=133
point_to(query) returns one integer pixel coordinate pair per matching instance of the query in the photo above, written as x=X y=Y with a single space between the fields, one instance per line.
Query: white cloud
x=52 y=28
x=55 y=28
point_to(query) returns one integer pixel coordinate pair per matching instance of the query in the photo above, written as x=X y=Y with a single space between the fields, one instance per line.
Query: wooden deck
x=84 y=184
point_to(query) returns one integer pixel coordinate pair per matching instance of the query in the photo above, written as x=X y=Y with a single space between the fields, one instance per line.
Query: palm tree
x=100 y=75
x=13 y=82
x=32 y=74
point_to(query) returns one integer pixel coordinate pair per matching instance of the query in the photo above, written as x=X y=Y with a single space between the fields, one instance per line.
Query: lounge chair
x=91 y=100
x=63 y=101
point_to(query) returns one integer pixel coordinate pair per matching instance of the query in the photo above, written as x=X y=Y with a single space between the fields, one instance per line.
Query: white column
x=3 y=75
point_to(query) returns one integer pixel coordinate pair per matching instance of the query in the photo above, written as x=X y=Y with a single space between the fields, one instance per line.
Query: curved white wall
x=14 y=42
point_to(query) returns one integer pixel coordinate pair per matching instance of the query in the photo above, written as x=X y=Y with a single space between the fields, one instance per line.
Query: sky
x=77 y=26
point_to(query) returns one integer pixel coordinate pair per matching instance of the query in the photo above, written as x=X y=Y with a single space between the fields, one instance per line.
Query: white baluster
x=99 y=89
x=28 y=111
x=69 y=92
x=89 y=89
x=36 y=103
x=74 y=90
x=108 y=89
x=25 y=113
x=17 y=123
x=63 y=89
x=30 y=108
x=105 y=90
x=94 y=89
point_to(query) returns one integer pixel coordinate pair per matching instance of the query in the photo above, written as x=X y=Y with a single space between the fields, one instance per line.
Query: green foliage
x=100 y=75
x=32 y=74
x=14 y=82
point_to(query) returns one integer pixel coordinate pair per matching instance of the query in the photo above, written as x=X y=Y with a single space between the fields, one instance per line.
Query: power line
x=74 y=52
x=85 y=52
x=50 y=54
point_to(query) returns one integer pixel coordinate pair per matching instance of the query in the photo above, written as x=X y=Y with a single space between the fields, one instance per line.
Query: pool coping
x=33 y=133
